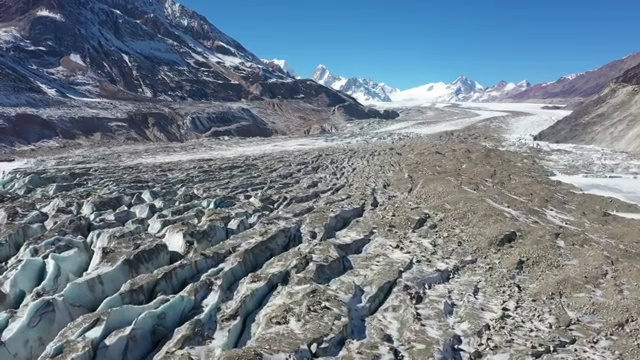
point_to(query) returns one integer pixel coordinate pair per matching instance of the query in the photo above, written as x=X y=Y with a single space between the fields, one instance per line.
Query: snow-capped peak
x=467 y=85
x=364 y=90
x=460 y=79
x=323 y=76
x=462 y=89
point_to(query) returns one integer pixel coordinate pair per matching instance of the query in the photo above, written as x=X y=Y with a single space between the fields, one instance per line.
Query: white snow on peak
x=283 y=64
x=48 y=13
x=462 y=89
x=510 y=86
x=465 y=82
x=364 y=90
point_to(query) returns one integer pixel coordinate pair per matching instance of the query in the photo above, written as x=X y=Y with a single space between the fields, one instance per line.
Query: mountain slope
x=365 y=90
x=56 y=55
x=581 y=85
x=105 y=48
x=611 y=119
x=132 y=49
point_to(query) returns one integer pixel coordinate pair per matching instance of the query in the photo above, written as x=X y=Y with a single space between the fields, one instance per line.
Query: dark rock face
x=630 y=77
x=355 y=111
x=581 y=86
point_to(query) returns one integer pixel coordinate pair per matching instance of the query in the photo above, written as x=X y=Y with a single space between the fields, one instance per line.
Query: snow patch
x=635 y=216
x=7 y=167
x=622 y=187
x=77 y=59
x=49 y=13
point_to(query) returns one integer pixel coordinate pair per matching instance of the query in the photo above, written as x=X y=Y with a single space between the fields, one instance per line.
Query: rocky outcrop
x=354 y=111
x=608 y=120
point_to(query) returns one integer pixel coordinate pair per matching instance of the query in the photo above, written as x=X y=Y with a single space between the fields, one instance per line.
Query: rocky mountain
x=283 y=65
x=365 y=90
x=610 y=119
x=114 y=49
x=580 y=85
x=57 y=55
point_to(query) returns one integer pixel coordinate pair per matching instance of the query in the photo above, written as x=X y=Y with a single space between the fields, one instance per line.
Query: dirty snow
x=231 y=151
x=433 y=127
x=427 y=128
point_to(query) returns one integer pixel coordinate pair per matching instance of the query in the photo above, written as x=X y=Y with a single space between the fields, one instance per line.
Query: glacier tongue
x=379 y=244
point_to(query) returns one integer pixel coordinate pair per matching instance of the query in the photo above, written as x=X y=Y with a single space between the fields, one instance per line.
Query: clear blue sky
x=407 y=43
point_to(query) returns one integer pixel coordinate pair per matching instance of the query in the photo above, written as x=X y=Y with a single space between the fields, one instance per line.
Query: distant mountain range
x=569 y=88
x=364 y=90
x=580 y=85
x=461 y=89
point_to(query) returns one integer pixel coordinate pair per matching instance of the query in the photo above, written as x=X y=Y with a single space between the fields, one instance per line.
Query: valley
x=424 y=237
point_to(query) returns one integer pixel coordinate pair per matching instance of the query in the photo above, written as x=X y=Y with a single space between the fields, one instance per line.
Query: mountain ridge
x=364 y=89
x=461 y=89
x=579 y=85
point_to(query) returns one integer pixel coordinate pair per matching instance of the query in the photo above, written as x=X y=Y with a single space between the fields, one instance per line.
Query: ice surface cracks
x=220 y=260
x=101 y=271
